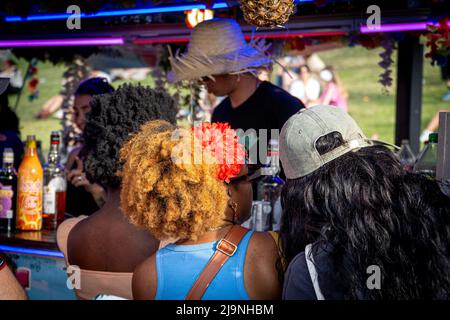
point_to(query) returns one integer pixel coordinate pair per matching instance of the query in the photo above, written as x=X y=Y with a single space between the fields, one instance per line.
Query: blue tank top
x=178 y=267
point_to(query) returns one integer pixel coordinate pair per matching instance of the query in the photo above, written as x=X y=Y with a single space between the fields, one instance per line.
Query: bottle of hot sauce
x=29 y=189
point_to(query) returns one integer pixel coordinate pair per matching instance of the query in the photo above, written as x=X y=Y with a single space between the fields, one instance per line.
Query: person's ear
x=229 y=191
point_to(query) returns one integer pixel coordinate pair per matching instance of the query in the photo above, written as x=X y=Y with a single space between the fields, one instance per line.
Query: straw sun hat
x=218 y=46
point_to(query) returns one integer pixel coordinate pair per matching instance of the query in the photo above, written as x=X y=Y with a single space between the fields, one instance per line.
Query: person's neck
x=244 y=90
x=209 y=236
x=112 y=198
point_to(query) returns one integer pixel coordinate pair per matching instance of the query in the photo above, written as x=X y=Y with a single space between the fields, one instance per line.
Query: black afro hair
x=114 y=118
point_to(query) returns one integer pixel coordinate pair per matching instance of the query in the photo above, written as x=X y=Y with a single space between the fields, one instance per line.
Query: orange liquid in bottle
x=29 y=190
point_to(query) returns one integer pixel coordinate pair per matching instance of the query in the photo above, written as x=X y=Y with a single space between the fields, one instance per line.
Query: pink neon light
x=62 y=42
x=291 y=35
x=260 y=35
x=162 y=40
x=397 y=27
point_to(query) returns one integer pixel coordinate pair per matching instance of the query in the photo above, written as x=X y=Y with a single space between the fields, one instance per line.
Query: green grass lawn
x=357 y=67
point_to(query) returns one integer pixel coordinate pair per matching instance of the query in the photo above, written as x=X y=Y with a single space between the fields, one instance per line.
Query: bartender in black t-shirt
x=219 y=56
x=252 y=103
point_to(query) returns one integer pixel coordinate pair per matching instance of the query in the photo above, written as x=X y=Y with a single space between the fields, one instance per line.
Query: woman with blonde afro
x=169 y=192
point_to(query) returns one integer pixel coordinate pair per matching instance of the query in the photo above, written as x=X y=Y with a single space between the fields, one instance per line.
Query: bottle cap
x=55 y=137
x=8 y=155
x=433 y=137
x=31 y=142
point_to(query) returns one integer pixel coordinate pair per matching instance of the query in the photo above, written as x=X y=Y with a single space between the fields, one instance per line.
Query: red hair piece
x=221 y=141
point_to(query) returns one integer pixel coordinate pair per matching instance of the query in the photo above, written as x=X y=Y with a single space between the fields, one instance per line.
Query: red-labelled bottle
x=55 y=186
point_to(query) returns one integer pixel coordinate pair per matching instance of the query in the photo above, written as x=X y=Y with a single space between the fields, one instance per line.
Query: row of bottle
x=425 y=162
x=35 y=196
x=266 y=209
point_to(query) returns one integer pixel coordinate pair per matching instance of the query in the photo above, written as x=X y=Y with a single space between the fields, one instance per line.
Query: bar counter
x=38 y=264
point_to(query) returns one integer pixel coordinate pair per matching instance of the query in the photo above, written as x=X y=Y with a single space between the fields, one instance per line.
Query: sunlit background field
x=357 y=67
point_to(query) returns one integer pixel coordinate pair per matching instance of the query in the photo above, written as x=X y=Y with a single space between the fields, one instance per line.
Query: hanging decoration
x=33 y=81
x=301 y=43
x=388 y=45
x=368 y=41
x=438 y=42
x=267 y=13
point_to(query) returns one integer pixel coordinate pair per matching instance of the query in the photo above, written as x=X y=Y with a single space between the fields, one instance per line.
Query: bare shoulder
x=81 y=224
x=80 y=242
x=63 y=232
x=262 y=246
x=145 y=280
x=260 y=270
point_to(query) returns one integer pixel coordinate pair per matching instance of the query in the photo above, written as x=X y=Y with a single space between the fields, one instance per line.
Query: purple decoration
x=398 y=27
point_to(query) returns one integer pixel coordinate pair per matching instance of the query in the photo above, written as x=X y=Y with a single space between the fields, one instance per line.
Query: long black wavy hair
x=371 y=212
x=113 y=119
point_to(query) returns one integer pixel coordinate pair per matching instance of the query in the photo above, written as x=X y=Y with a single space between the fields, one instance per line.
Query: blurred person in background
x=432 y=126
x=333 y=92
x=53 y=105
x=305 y=87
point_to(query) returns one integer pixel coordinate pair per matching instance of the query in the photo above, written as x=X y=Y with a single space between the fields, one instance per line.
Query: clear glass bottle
x=426 y=162
x=269 y=188
x=406 y=156
x=8 y=191
x=55 y=186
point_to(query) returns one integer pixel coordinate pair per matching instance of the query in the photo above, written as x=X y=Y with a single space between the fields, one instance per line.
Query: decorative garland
x=34 y=81
x=388 y=45
x=438 y=41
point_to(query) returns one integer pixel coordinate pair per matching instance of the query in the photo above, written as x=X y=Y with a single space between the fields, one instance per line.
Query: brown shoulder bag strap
x=225 y=248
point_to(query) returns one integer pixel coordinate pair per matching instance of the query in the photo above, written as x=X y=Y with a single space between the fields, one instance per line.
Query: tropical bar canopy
x=44 y=29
